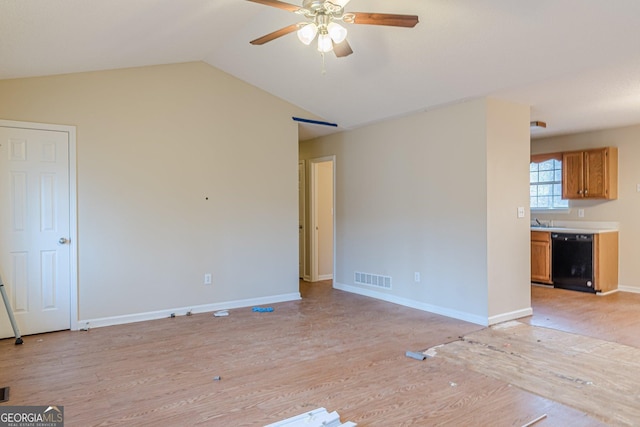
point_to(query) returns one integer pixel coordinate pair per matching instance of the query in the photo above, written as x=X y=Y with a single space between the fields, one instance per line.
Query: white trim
x=604 y=294
x=632 y=289
x=313 y=219
x=512 y=315
x=74 y=309
x=205 y=308
x=302 y=204
x=478 y=320
x=325 y=277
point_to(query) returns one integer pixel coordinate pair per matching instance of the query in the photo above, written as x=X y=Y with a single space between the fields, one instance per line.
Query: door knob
x=63 y=240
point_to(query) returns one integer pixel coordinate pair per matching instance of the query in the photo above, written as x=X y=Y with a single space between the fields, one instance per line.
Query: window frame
x=540 y=158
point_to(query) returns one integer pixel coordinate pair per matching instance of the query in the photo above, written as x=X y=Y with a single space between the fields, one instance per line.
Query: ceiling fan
x=321 y=22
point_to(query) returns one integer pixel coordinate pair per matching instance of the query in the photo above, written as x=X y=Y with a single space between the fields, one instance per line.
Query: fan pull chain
x=324 y=70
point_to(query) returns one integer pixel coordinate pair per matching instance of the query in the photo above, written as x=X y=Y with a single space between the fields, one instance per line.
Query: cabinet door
x=595 y=172
x=572 y=175
x=540 y=262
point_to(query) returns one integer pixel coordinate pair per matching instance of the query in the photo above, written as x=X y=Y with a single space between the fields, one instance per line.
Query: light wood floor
x=333 y=349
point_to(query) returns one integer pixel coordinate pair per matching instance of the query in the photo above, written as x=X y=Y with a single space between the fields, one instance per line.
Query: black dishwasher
x=572 y=261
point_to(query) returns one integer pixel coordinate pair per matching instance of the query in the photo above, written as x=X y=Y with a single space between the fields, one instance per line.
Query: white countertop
x=576 y=227
x=573 y=230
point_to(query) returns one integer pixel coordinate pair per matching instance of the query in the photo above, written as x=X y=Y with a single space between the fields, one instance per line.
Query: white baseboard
x=205 y=308
x=478 y=320
x=632 y=289
x=505 y=317
x=325 y=276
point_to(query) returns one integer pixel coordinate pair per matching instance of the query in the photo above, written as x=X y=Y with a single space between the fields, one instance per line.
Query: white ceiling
x=576 y=62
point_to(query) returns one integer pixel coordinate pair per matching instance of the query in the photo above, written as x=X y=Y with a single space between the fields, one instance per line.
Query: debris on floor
x=221 y=313
x=217 y=378
x=262 y=309
x=433 y=351
x=532 y=422
x=415 y=355
x=316 y=418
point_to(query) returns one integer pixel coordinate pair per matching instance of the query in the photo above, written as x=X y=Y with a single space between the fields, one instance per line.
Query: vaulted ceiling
x=576 y=62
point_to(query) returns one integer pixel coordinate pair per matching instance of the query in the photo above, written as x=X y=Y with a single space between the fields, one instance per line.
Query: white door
x=35 y=229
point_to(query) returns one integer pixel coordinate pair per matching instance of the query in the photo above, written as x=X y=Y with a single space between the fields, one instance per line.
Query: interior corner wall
x=508 y=236
x=182 y=170
x=411 y=196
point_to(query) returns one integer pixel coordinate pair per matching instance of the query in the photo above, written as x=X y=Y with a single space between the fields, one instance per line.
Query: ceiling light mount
x=311 y=8
x=537 y=124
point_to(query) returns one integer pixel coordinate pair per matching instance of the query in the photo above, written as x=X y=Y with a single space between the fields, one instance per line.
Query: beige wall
x=625 y=210
x=507 y=189
x=152 y=144
x=412 y=196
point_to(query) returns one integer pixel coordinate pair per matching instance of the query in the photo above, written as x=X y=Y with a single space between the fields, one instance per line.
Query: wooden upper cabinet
x=590 y=174
x=572 y=175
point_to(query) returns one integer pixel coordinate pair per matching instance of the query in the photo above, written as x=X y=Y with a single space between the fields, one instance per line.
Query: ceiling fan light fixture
x=324 y=43
x=307 y=33
x=337 y=32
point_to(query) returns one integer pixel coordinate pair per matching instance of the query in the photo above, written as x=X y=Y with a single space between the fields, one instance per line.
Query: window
x=545 y=182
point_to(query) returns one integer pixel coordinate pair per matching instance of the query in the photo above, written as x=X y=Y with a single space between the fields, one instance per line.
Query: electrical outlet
x=207 y=279
x=580 y=213
x=416 y=276
x=521 y=212
x=638 y=188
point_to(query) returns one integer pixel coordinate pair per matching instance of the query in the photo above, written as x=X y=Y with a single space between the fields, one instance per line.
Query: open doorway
x=322 y=230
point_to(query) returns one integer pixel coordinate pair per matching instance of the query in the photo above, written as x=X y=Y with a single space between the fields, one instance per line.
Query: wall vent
x=372 y=280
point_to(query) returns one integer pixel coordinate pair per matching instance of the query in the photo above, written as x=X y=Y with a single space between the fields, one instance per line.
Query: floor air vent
x=373 y=280
x=4 y=394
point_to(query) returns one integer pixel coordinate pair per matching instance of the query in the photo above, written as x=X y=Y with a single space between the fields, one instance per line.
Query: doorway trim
x=73 y=220
x=314 y=215
x=302 y=220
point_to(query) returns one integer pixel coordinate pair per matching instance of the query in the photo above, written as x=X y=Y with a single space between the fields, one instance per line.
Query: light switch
x=638 y=188
x=580 y=213
x=520 y=212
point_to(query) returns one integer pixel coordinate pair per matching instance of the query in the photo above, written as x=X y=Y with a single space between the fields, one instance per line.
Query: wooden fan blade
x=278 y=4
x=389 y=19
x=342 y=49
x=272 y=36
